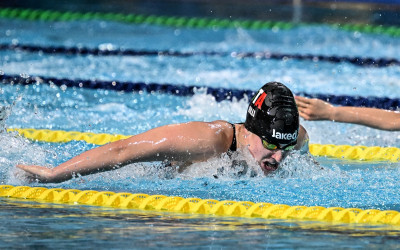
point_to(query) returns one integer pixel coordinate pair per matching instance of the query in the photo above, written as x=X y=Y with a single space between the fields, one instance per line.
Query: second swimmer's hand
x=39 y=173
x=314 y=109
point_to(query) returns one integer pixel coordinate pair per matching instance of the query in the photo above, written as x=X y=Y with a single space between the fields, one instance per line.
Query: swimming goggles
x=271 y=146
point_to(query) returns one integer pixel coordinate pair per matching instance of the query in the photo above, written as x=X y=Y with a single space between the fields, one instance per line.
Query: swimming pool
x=365 y=185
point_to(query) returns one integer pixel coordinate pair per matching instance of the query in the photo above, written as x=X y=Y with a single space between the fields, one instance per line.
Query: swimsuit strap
x=233 y=145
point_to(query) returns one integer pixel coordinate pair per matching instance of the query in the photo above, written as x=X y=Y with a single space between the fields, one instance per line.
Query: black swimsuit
x=233 y=145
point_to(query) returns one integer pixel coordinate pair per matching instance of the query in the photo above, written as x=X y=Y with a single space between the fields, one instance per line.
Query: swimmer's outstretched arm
x=193 y=141
x=315 y=109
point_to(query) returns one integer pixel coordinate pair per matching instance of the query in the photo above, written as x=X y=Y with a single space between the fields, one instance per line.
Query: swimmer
x=270 y=132
x=316 y=110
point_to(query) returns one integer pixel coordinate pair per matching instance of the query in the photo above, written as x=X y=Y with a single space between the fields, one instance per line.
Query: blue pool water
x=299 y=182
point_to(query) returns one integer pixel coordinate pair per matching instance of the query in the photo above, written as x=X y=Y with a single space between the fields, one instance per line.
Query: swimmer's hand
x=314 y=109
x=38 y=173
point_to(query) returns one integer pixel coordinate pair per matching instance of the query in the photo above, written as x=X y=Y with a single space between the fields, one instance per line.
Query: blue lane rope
x=358 y=61
x=219 y=94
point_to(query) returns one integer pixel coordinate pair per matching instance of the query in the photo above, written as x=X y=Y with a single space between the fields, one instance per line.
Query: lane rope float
x=181 y=22
x=172 y=21
x=202 y=206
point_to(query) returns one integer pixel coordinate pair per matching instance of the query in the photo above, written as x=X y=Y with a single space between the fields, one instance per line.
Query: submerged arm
x=193 y=141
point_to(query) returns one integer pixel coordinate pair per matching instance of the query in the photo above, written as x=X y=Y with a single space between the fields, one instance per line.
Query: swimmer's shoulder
x=302 y=140
x=225 y=132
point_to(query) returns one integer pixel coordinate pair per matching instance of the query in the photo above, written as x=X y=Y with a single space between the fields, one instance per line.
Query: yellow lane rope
x=200 y=206
x=347 y=152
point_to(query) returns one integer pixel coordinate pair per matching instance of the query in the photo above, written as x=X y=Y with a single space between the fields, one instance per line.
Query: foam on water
x=204 y=107
x=14 y=150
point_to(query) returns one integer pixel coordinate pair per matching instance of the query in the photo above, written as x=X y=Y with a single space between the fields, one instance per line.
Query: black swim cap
x=273 y=115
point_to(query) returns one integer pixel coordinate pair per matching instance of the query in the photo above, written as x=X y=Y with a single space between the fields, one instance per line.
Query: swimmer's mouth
x=268 y=166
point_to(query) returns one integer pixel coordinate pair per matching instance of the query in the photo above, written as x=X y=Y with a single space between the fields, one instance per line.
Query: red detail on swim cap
x=260 y=100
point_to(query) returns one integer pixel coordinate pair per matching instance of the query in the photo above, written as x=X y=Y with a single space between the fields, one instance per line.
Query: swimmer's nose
x=277 y=155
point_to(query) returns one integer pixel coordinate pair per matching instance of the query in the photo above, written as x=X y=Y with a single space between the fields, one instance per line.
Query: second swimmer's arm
x=316 y=109
x=372 y=117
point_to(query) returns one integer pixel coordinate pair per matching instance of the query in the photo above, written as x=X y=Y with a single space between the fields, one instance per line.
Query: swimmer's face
x=267 y=159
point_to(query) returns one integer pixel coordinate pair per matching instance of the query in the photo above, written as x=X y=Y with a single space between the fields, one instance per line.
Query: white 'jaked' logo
x=284 y=136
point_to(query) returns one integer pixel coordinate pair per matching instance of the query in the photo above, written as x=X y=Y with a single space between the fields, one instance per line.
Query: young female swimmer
x=270 y=131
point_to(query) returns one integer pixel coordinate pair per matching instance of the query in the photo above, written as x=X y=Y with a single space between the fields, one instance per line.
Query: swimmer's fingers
x=302 y=102
x=314 y=109
x=304 y=114
x=42 y=174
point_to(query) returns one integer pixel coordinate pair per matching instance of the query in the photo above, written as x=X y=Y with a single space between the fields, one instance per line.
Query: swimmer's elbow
x=119 y=153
